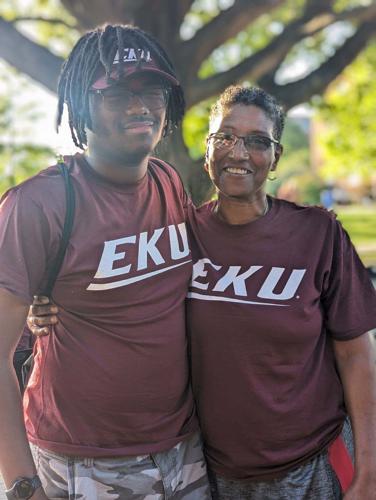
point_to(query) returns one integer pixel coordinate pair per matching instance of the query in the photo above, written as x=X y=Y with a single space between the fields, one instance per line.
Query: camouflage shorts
x=179 y=473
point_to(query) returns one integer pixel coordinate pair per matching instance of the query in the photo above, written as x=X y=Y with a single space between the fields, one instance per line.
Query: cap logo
x=133 y=55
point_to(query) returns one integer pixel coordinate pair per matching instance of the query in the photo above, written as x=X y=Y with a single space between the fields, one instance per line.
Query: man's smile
x=138 y=126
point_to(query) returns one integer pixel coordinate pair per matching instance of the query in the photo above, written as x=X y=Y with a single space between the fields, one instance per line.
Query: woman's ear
x=206 y=161
x=278 y=152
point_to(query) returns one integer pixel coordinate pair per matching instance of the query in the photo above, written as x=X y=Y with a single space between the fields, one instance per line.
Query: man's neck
x=127 y=171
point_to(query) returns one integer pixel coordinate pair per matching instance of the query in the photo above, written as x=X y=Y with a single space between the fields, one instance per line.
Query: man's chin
x=136 y=157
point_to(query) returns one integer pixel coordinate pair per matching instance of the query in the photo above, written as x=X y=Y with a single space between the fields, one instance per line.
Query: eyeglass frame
x=165 y=91
x=238 y=137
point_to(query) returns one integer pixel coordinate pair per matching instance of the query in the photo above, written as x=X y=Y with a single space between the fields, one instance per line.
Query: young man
x=111 y=385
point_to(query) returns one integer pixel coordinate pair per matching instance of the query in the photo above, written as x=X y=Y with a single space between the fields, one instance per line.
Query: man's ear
x=166 y=130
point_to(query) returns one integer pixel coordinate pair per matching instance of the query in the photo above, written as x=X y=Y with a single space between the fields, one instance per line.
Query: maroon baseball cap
x=134 y=61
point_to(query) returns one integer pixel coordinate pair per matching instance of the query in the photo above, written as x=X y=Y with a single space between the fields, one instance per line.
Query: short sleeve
x=25 y=239
x=349 y=300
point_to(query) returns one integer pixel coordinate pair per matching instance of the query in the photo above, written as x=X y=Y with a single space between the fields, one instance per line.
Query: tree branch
x=184 y=8
x=92 y=13
x=222 y=27
x=313 y=7
x=165 y=27
x=43 y=20
x=316 y=82
x=318 y=23
x=30 y=58
x=262 y=65
x=325 y=19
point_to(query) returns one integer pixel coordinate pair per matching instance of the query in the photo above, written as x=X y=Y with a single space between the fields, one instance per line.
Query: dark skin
x=119 y=146
x=121 y=140
x=241 y=199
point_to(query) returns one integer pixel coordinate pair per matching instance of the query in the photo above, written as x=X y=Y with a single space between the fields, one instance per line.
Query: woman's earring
x=272 y=178
x=206 y=161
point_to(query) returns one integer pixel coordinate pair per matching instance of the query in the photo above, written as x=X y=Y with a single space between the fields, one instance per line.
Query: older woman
x=278 y=310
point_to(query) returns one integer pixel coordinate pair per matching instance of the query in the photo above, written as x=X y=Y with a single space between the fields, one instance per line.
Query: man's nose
x=136 y=105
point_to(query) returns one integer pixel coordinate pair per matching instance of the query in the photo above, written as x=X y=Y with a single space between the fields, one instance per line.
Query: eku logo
x=147 y=255
x=238 y=282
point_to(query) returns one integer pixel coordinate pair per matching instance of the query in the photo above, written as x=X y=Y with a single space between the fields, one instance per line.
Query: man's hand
x=42 y=314
x=39 y=495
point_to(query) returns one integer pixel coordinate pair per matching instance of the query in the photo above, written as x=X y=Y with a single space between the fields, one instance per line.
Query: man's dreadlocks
x=95 y=50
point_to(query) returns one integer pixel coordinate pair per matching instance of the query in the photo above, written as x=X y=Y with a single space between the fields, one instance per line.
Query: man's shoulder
x=162 y=167
x=47 y=185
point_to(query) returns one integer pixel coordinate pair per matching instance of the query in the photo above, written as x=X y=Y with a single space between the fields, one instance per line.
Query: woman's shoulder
x=315 y=213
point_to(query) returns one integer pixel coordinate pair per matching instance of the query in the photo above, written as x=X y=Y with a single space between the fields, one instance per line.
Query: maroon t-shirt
x=112 y=379
x=265 y=302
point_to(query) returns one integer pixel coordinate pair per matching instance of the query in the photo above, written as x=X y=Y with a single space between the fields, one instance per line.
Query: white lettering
x=221 y=298
x=236 y=280
x=109 y=256
x=134 y=279
x=146 y=248
x=176 y=252
x=199 y=272
x=266 y=291
x=146 y=55
x=131 y=55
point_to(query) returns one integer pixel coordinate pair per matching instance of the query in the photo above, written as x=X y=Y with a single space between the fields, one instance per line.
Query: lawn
x=360 y=222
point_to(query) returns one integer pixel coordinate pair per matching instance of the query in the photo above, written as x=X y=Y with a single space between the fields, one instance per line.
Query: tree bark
x=173 y=150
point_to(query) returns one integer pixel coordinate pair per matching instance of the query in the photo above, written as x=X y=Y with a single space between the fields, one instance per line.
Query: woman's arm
x=357 y=367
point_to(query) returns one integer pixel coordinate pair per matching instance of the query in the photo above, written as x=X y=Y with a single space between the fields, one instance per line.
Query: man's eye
x=153 y=92
x=114 y=97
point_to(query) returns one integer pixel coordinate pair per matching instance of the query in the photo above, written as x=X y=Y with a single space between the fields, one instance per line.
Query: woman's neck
x=236 y=212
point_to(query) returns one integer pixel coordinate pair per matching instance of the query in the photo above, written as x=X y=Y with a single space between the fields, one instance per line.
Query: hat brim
x=102 y=82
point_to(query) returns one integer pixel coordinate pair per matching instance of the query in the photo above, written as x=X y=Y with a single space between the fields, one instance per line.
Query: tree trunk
x=196 y=180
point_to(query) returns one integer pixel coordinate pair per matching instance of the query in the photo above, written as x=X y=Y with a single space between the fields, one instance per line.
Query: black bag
x=23 y=358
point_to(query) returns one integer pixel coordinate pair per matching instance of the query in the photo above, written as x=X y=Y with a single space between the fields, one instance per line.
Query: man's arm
x=356 y=364
x=15 y=456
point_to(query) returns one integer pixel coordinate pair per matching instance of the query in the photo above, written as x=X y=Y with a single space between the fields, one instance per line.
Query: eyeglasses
x=252 y=143
x=119 y=98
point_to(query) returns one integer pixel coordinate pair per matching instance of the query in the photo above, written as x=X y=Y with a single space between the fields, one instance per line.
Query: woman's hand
x=42 y=314
x=362 y=488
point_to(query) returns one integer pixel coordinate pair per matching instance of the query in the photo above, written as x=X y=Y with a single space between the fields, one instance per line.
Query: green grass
x=360 y=222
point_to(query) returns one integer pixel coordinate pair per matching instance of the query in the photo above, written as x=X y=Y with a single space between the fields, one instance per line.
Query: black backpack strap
x=23 y=368
x=67 y=229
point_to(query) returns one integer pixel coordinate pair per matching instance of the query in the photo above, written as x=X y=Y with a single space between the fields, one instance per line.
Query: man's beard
x=134 y=158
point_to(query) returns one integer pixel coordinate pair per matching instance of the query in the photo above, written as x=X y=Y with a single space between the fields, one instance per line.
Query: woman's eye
x=227 y=137
x=260 y=143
